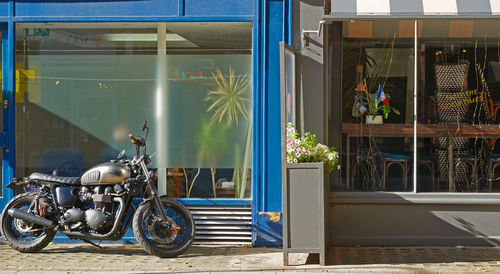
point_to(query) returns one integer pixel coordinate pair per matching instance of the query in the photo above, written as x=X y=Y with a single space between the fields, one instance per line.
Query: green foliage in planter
x=307 y=150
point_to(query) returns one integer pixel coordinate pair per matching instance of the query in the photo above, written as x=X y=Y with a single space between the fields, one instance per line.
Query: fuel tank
x=105 y=174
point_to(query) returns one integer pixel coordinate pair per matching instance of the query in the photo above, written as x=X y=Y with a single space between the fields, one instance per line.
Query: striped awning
x=413 y=8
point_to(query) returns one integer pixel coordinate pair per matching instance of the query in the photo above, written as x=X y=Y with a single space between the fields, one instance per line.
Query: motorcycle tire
x=164 y=239
x=12 y=228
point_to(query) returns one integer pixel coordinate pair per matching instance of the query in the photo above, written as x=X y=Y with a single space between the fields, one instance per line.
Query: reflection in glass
x=377 y=105
x=457 y=61
x=290 y=99
x=89 y=85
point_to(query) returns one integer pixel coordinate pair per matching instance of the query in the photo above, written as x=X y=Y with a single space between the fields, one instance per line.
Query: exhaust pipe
x=19 y=214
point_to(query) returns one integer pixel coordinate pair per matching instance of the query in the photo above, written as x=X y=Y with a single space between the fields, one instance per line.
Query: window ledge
x=401 y=198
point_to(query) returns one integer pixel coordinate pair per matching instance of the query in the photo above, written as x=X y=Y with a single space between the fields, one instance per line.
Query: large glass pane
x=89 y=85
x=290 y=95
x=458 y=93
x=377 y=105
x=211 y=93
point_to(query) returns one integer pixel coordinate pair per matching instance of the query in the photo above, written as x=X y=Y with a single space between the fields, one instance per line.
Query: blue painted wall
x=88 y=8
x=8 y=137
x=218 y=7
x=267 y=192
x=271 y=19
x=5 y=8
x=127 y=8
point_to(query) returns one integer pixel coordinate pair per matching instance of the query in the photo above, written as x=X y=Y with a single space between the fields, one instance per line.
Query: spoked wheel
x=164 y=238
x=21 y=235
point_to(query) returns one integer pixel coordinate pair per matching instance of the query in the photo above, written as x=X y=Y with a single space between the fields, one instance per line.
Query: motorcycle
x=98 y=206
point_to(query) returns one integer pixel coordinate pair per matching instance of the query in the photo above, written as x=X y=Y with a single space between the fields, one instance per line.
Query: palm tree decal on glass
x=228 y=104
x=228 y=100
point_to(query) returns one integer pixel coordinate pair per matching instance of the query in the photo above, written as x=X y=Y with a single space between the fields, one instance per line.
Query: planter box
x=374 y=120
x=305 y=205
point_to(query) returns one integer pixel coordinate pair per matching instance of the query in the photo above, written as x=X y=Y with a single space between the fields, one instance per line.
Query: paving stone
x=209 y=259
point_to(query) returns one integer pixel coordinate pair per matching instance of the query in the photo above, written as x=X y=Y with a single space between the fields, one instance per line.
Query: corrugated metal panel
x=222 y=224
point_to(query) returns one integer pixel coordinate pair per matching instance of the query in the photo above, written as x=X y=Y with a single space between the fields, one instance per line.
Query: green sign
x=37 y=32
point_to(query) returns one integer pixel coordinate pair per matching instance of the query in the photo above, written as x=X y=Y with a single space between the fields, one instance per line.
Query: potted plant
x=373 y=105
x=305 y=194
x=306 y=149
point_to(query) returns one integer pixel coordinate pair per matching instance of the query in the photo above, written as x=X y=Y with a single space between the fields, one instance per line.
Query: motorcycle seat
x=74 y=181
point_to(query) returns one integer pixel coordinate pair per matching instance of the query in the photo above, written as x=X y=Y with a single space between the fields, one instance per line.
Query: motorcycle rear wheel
x=20 y=235
x=164 y=239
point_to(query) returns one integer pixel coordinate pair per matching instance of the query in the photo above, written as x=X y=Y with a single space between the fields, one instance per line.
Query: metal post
x=415 y=107
x=161 y=107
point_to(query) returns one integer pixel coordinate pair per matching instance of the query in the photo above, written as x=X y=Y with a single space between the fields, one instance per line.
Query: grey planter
x=305 y=204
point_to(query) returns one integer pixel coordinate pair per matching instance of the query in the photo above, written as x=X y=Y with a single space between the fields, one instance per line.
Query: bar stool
x=428 y=161
x=469 y=161
x=395 y=159
x=493 y=163
x=366 y=163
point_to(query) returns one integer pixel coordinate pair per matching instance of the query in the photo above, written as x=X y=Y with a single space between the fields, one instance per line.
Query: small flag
x=381 y=95
x=362 y=109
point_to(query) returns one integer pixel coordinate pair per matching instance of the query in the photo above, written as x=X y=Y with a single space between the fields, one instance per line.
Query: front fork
x=157 y=200
x=154 y=193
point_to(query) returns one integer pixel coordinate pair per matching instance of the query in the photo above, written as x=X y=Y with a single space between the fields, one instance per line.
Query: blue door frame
x=7 y=135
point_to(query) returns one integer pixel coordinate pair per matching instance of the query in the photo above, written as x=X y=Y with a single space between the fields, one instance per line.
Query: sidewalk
x=130 y=258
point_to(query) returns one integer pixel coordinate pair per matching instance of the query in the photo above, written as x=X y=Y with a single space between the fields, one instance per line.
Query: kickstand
x=94 y=244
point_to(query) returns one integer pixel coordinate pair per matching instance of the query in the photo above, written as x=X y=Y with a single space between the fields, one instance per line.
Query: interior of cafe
x=420 y=105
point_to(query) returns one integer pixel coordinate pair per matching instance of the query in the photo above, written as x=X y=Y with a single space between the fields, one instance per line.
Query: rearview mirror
x=121 y=154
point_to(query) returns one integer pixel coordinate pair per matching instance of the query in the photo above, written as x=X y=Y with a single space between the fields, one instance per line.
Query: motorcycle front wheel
x=21 y=235
x=164 y=238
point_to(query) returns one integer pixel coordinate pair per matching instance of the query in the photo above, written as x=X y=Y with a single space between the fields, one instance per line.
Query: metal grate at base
x=222 y=224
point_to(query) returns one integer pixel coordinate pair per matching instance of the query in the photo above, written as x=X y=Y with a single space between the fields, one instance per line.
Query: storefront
x=78 y=77
x=427 y=175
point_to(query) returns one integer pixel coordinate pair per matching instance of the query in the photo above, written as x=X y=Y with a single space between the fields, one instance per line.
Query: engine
x=90 y=209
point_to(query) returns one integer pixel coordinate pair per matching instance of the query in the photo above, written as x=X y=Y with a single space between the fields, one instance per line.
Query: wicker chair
x=452 y=107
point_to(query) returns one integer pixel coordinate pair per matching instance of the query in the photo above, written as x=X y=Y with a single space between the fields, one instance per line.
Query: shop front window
x=377 y=105
x=457 y=94
x=83 y=87
x=454 y=147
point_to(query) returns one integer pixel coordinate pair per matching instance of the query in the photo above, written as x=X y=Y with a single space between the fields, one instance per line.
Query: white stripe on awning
x=440 y=7
x=414 y=8
x=373 y=7
x=495 y=7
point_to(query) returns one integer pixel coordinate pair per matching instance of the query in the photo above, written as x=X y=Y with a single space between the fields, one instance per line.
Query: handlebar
x=132 y=138
x=139 y=141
